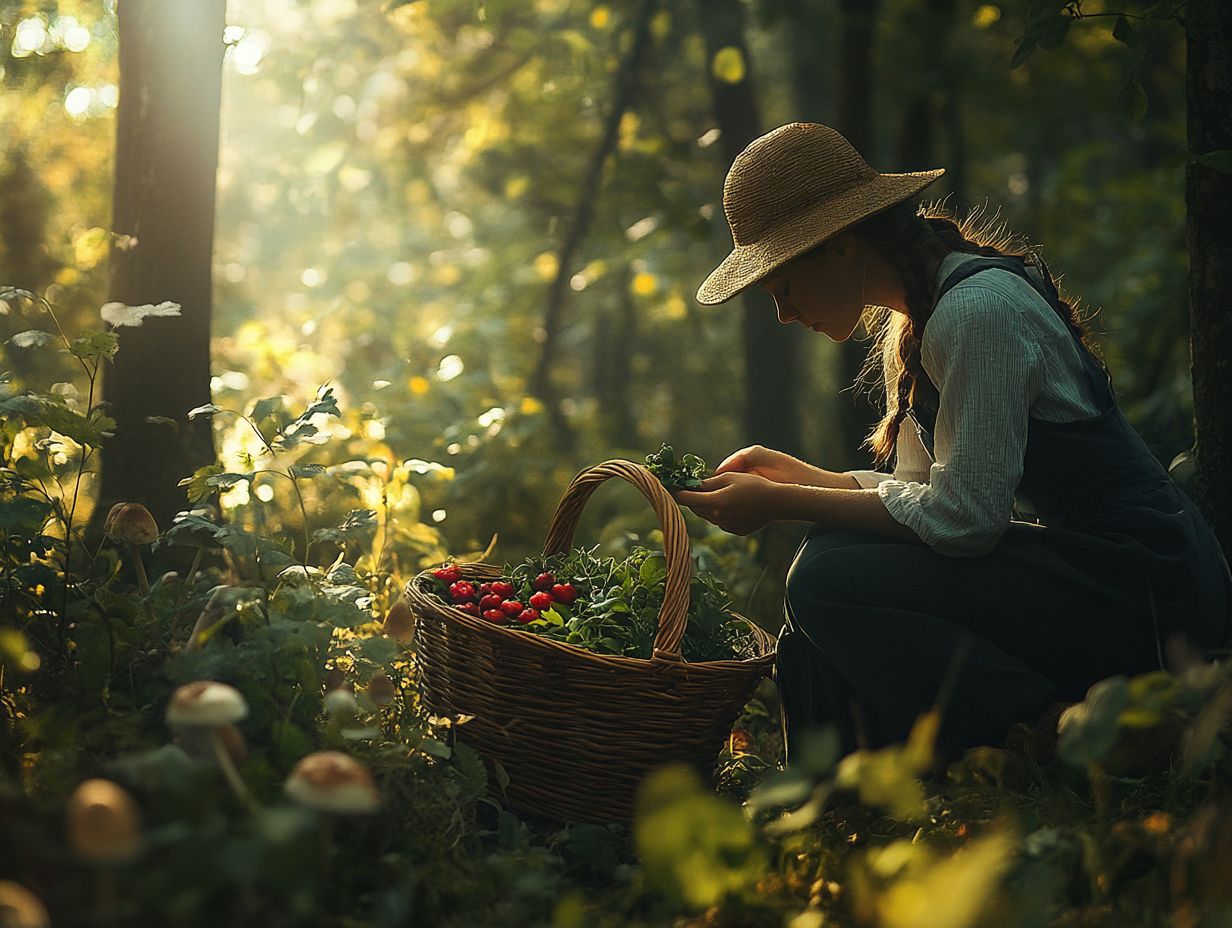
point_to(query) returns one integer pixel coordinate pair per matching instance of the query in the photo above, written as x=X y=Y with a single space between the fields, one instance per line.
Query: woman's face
x=823 y=289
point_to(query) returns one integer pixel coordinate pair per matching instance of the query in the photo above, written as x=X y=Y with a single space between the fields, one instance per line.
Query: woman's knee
x=826 y=567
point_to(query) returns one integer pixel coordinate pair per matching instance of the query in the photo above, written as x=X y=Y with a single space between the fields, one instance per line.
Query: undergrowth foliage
x=132 y=793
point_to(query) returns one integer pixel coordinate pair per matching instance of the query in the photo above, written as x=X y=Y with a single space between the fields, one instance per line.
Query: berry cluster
x=495 y=601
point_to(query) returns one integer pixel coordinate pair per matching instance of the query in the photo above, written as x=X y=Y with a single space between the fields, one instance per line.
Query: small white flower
x=118 y=314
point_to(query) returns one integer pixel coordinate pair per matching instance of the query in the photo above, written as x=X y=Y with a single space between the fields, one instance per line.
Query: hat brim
x=749 y=263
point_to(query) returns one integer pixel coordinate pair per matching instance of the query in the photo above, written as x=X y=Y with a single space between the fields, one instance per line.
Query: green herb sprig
x=685 y=474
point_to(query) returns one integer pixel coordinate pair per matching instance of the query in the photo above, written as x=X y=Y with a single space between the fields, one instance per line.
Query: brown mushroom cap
x=381 y=689
x=103 y=823
x=333 y=782
x=400 y=622
x=20 y=908
x=131 y=524
x=206 y=702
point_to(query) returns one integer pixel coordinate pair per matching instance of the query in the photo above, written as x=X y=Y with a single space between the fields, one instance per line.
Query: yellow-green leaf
x=728 y=65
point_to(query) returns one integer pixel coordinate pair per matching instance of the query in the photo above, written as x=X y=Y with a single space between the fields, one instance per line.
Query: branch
x=623 y=87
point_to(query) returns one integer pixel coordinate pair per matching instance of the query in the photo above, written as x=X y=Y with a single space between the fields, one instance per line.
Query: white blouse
x=997 y=353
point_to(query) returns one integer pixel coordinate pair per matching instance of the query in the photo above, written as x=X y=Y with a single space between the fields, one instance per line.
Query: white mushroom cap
x=130 y=523
x=206 y=702
x=333 y=782
x=103 y=823
x=20 y=908
x=341 y=704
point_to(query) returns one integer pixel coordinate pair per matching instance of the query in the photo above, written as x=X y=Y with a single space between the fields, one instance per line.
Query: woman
x=934 y=577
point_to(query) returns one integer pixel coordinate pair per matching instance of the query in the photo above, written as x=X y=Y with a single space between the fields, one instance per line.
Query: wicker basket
x=577 y=731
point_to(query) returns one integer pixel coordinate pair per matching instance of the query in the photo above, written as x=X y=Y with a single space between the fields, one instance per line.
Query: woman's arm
x=843 y=510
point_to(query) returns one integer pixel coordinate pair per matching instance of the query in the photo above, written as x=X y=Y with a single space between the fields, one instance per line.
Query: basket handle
x=675 y=610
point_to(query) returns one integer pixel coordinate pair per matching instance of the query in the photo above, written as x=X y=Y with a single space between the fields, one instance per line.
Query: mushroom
x=20 y=908
x=198 y=743
x=332 y=781
x=195 y=528
x=400 y=622
x=381 y=689
x=336 y=679
x=212 y=705
x=340 y=704
x=131 y=524
x=103 y=824
x=220 y=606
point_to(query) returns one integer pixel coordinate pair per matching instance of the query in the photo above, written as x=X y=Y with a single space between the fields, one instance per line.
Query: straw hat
x=789 y=191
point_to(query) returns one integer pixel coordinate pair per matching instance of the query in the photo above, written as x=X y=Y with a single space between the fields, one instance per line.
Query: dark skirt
x=874 y=625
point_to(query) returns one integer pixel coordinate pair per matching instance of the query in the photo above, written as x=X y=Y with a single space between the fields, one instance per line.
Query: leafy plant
x=685 y=474
x=618 y=604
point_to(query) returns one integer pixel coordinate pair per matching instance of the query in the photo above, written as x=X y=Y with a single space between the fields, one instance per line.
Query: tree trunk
x=615 y=339
x=812 y=77
x=917 y=143
x=856 y=416
x=771 y=352
x=1208 y=191
x=166 y=159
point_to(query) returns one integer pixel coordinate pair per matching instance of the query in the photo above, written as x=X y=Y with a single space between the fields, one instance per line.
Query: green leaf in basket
x=435 y=748
x=653 y=570
x=551 y=617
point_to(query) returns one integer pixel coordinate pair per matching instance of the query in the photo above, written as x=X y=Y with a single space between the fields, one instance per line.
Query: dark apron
x=1115 y=535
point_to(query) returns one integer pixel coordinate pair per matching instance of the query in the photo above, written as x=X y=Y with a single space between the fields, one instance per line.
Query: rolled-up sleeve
x=989 y=370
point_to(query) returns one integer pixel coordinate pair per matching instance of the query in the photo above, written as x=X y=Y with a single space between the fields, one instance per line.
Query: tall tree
x=615 y=340
x=932 y=111
x=855 y=118
x=807 y=34
x=1208 y=191
x=771 y=351
x=163 y=213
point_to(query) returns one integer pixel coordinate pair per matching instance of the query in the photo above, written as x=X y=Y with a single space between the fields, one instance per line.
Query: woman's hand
x=776 y=466
x=739 y=503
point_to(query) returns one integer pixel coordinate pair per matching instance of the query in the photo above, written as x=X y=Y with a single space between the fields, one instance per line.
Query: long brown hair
x=914 y=238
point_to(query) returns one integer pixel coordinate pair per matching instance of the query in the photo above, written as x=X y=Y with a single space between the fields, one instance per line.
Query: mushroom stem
x=192 y=575
x=325 y=838
x=229 y=772
x=106 y=896
x=142 y=580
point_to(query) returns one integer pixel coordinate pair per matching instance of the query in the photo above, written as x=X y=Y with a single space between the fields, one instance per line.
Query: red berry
x=495 y=615
x=485 y=589
x=502 y=588
x=527 y=615
x=491 y=601
x=544 y=581
x=511 y=607
x=541 y=600
x=469 y=608
x=462 y=591
x=450 y=573
x=565 y=592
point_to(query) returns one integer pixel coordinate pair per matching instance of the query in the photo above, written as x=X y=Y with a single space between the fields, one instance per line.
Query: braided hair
x=914 y=239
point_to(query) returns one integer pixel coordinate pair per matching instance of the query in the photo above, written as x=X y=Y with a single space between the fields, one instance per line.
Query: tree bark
x=1208 y=191
x=812 y=77
x=615 y=339
x=856 y=416
x=771 y=352
x=166 y=159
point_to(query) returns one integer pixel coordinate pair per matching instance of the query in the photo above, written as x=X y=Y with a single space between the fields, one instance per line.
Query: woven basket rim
x=499 y=632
